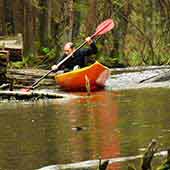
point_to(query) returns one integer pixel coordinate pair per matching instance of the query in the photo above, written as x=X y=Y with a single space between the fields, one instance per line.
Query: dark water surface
x=112 y=124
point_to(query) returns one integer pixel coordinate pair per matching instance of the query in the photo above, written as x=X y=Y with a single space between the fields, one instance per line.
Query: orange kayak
x=93 y=76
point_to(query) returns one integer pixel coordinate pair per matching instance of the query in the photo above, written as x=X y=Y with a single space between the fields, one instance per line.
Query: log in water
x=19 y=95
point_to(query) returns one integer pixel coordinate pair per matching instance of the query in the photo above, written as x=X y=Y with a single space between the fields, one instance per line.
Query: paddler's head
x=68 y=48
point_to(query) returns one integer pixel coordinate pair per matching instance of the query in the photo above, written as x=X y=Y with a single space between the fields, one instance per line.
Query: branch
x=148 y=156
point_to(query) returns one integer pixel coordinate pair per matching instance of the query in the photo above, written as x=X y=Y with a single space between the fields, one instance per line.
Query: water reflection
x=99 y=114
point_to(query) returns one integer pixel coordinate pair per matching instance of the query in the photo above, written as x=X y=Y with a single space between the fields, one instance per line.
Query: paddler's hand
x=54 y=68
x=89 y=40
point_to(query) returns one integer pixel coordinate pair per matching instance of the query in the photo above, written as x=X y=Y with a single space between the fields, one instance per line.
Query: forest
x=141 y=35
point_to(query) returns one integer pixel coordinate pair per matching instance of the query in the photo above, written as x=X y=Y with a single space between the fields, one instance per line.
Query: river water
x=107 y=124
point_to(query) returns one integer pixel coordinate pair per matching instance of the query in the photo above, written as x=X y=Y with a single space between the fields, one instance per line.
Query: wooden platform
x=26 y=77
x=14 y=45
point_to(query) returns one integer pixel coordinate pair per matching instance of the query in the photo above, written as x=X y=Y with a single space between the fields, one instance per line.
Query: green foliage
x=112 y=61
x=48 y=53
x=118 y=3
x=18 y=65
x=83 y=6
x=45 y=50
x=108 y=61
x=135 y=59
x=41 y=61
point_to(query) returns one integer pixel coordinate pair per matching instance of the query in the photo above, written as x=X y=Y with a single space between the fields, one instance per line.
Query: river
x=107 y=124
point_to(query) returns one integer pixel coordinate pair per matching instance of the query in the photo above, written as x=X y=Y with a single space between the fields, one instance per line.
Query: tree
x=45 y=22
x=18 y=13
x=2 y=18
x=29 y=34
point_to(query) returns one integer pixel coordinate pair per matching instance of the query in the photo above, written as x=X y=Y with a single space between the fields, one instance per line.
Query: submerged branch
x=148 y=156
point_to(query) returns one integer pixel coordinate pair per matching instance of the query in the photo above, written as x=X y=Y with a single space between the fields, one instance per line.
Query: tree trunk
x=28 y=32
x=8 y=16
x=18 y=13
x=76 y=26
x=123 y=25
x=2 y=18
x=70 y=19
x=45 y=22
x=91 y=17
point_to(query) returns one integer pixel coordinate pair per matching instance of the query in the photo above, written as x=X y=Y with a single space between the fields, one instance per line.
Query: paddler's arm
x=55 y=68
x=91 y=50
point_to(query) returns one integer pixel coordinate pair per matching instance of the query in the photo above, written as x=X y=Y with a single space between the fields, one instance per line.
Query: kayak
x=93 y=77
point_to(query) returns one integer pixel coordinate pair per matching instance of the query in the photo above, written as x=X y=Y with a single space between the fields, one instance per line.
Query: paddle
x=104 y=27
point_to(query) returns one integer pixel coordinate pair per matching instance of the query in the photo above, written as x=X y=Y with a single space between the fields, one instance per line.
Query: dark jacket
x=78 y=58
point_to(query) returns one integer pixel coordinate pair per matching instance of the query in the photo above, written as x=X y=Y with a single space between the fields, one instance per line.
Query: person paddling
x=79 y=58
x=104 y=27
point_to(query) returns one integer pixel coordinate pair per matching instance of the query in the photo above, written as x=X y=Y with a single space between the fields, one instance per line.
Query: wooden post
x=4 y=57
x=5 y=82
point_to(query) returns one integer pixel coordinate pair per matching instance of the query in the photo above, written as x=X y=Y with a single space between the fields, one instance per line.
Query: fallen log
x=139 y=68
x=165 y=76
x=19 y=95
x=30 y=72
x=30 y=80
x=87 y=165
x=94 y=164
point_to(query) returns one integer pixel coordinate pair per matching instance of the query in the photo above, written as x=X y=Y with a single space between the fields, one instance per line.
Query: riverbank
x=121 y=78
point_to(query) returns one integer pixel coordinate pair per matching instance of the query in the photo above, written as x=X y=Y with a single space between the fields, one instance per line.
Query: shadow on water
x=106 y=124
